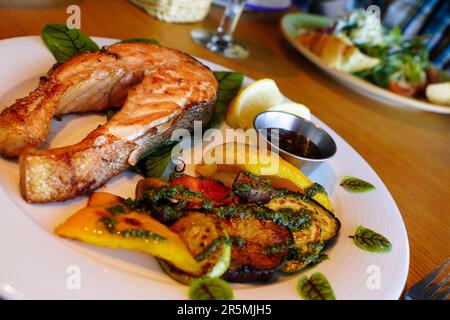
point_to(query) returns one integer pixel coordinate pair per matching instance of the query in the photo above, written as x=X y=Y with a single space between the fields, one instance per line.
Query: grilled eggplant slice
x=207 y=240
x=252 y=189
x=258 y=248
x=310 y=241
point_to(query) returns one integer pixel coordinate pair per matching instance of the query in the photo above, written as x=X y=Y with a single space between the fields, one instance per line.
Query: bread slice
x=354 y=60
x=336 y=53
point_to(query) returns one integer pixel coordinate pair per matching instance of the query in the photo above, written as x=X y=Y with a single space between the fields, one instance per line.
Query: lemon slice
x=256 y=98
x=293 y=108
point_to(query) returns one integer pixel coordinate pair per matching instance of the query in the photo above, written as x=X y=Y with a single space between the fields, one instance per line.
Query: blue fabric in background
x=414 y=17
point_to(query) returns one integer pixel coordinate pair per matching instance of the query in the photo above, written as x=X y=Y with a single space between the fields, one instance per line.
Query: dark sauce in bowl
x=295 y=143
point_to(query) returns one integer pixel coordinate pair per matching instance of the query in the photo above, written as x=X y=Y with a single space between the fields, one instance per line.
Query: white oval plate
x=37 y=264
x=293 y=21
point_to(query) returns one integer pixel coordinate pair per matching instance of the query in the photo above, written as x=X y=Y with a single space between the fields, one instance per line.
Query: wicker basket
x=178 y=11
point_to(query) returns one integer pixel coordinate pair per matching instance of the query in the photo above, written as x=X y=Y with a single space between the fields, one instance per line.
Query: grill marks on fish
x=160 y=89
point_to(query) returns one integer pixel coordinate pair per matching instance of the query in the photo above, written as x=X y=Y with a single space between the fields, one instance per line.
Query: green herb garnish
x=370 y=240
x=141 y=40
x=210 y=289
x=356 y=185
x=141 y=233
x=64 y=43
x=277 y=248
x=154 y=162
x=314 y=189
x=238 y=241
x=295 y=220
x=229 y=85
x=316 y=287
x=117 y=209
x=109 y=223
x=211 y=248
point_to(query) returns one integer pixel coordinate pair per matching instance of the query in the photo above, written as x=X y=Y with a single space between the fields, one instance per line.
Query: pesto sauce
x=312 y=254
x=141 y=233
x=294 y=220
x=117 y=209
x=165 y=192
x=275 y=249
x=110 y=225
x=246 y=188
x=167 y=203
x=211 y=248
x=238 y=241
x=242 y=188
x=314 y=189
x=207 y=205
x=258 y=178
x=160 y=204
x=288 y=193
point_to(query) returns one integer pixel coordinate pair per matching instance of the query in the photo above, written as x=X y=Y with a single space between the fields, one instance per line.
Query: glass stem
x=230 y=19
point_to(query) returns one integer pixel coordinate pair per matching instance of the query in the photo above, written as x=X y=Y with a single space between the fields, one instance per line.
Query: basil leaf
x=210 y=289
x=356 y=185
x=64 y=43
x=155 y=161
x=316 y=287
x=370 y=240
x=229 y=85
x=141 y=40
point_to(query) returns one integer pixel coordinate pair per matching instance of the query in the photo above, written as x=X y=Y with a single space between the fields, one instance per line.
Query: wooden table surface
x=409 y=150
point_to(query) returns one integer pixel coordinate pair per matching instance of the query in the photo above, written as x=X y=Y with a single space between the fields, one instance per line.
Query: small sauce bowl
x=301 y=142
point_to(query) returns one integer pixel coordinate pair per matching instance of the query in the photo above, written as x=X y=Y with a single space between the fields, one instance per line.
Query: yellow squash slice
x=106 y=222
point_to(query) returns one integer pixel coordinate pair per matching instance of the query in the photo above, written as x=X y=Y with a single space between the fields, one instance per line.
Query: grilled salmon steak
x=158 y=90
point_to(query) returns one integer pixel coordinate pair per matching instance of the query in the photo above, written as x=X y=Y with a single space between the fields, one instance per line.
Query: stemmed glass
x=221 y=40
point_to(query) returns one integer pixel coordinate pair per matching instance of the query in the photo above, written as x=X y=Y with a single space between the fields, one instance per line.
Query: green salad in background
x=404 y=66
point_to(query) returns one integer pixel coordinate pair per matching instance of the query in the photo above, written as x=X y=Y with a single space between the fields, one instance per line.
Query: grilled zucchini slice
x=309 y=241
x=207 y=241
x=329 y=224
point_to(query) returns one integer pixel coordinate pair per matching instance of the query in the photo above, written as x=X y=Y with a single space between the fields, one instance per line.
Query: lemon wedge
x=296 y=109
x=251 y=100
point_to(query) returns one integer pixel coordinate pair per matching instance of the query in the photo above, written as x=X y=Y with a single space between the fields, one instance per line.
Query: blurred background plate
x=292 y=22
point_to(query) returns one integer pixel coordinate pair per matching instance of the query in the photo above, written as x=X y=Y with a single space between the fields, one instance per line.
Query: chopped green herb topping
x=110 y=225
x=117 y=209
x=294 y=220
x=314 y=189
x=275 y=249
x=141 y=233
x=238 y=241
x=211 y=248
